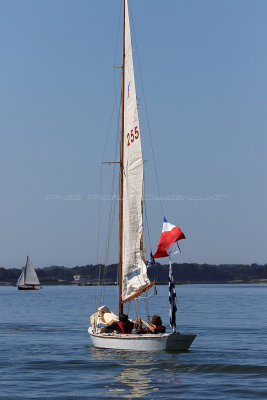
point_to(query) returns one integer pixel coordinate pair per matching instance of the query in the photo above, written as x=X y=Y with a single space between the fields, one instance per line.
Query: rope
x=136 y=308
x=102 y=287
x=147 y=226
x=111 y=212
x=100 y=271
x=128 y=306
x=147 y=307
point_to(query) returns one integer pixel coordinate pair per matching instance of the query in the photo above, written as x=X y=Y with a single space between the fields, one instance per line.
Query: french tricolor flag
x=168 y=241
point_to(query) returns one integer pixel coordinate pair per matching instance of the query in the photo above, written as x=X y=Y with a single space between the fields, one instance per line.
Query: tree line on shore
x=183 y=273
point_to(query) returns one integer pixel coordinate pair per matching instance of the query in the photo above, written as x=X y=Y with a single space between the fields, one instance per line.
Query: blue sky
x=204 y=69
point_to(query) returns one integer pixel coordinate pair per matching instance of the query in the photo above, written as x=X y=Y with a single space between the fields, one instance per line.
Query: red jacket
x=119 y=327
x=126 y=328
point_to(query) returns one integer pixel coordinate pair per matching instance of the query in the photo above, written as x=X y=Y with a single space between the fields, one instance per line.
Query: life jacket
x=159 y=328
x=125 y=329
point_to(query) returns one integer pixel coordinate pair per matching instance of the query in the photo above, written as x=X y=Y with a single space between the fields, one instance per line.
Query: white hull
x=153 y=342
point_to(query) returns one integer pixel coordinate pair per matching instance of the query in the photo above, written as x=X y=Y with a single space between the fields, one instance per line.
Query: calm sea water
x=46 y=352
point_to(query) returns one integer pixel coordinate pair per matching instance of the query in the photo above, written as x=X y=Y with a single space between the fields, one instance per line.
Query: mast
x=121 y=162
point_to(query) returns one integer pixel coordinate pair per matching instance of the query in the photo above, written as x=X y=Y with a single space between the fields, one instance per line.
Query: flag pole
x=172 y=299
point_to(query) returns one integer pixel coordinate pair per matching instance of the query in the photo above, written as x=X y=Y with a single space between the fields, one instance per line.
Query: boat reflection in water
x=133 y=376
x=138 y=383
x=134 y=379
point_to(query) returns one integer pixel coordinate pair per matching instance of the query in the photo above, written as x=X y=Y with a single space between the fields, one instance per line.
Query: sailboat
x=133 y=277
x=28 y=279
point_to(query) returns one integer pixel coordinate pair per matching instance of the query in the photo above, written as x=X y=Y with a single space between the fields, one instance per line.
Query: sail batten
x=134 y=270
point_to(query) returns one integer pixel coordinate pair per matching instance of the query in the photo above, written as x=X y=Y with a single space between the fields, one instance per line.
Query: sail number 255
x=131 y=137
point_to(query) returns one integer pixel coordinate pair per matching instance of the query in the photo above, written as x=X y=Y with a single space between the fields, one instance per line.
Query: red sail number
x=131 y=137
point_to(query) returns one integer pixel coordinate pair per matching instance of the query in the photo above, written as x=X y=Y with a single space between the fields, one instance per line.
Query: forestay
x=134 y=271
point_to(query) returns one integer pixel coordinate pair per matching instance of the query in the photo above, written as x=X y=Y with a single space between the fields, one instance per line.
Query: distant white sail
x=21 y=280
x=134 y=270
x=28 y=275
x=31 y=277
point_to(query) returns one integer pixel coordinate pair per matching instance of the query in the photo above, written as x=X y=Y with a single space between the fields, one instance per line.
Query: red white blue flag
x=168 y=241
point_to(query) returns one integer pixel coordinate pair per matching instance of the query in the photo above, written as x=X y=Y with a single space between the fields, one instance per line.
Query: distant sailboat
x=28 y=278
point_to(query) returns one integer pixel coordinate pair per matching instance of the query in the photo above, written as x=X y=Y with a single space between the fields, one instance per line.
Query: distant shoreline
x=237 y=282
x=186 y=273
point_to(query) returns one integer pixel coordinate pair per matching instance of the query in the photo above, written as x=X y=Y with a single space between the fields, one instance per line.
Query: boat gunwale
x=137 y=336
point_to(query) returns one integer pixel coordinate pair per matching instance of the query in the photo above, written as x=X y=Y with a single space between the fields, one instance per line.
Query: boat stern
x=179 y=342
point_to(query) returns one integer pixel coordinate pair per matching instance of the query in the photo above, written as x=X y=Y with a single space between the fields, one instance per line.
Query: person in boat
x=121 y=326
x=156 y=324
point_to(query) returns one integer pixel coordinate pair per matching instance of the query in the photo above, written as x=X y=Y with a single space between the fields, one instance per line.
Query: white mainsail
x=134 y=270
x=28 y=275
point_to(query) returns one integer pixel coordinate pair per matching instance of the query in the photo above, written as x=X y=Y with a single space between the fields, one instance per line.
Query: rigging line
x=99 y=233
x=112 y=194
x=110 y=229
x=112 y=223
x=148 y=233
x=110 y=210
x=99 y=214
x=114 y=169
x=102 y=289
x=147 y=226
x=128 y=306
x=115 y=107
x=106 y=210
x=137 y=304
x=143 y=298
x=103 y=234
x=118 y=294
x=146 y=111
x=116 y=88
x=116 y=46
x=117 y=84
x=147 y=307
x=118 y=29
x=101 y=178
x=110 y=124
